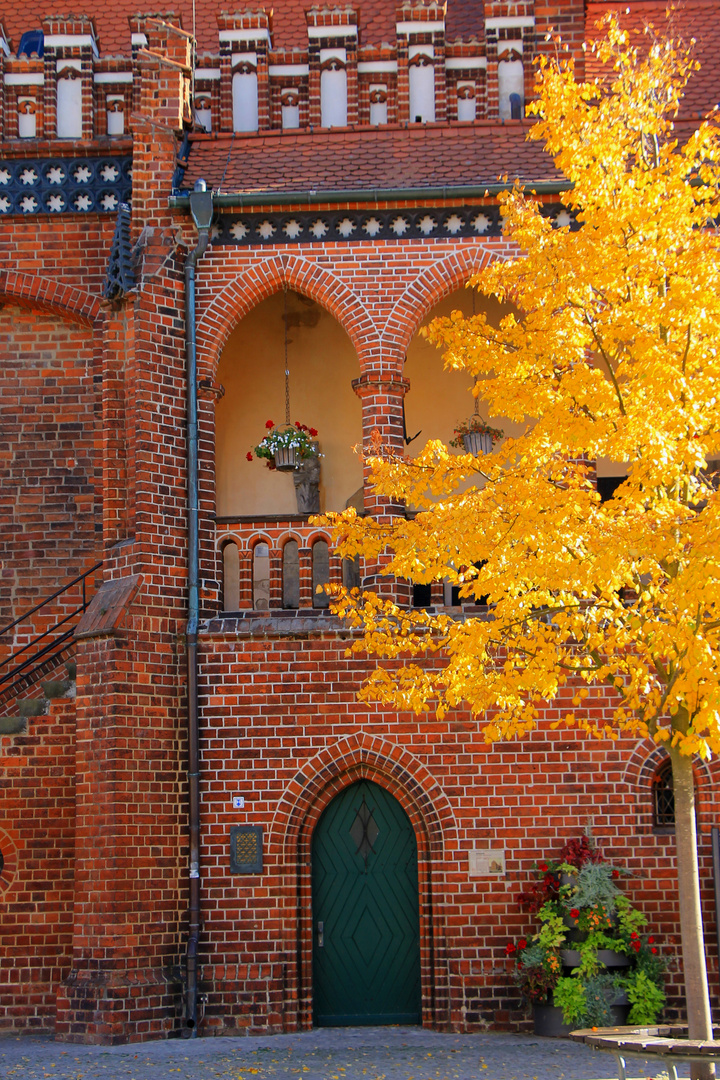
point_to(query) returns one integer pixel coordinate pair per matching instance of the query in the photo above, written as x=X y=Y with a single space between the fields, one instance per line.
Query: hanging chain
x=287 y=370
x=476 y=411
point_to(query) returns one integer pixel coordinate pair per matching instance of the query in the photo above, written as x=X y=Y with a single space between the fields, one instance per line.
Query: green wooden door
x=366 y=929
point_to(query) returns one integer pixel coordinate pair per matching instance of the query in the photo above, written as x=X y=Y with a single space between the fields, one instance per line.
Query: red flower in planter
x=522 y=943
x=574 y=913
x=269 y=424
x=653 y=950
x=249 y=456
x=510 y=948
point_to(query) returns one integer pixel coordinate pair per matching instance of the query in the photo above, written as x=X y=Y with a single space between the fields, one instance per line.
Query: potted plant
x=475 y=436
x=609 y=973
x=283 y=448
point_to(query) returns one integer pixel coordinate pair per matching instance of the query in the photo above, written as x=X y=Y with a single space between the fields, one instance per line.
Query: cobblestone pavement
x=323 y=1054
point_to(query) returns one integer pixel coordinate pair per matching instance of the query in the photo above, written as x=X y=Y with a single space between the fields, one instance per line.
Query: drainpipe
x=201 y=208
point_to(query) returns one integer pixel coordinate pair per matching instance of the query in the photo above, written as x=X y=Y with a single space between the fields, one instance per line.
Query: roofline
x=284 y=198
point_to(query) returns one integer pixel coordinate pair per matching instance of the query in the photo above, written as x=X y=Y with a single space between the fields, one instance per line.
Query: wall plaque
x=246 y=849
x=486 y=862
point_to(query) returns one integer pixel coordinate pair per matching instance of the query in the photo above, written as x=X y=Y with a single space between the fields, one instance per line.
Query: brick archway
x=45 y=294
x=435 y=283
x=640 y=770
x=362 y=757
x=265 y=278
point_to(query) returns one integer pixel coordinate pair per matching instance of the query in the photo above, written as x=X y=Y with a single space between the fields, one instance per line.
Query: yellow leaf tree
x=610 y=349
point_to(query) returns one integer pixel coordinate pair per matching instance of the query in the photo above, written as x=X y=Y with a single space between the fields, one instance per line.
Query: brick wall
x=37 y=791
x=50 y=475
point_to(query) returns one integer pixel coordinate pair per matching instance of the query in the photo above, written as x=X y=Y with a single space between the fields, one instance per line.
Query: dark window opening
x=664 y=797
x=608 y=485
x=422 y=595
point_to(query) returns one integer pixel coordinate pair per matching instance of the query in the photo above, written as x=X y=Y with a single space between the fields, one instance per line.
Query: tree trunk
x=691 y=927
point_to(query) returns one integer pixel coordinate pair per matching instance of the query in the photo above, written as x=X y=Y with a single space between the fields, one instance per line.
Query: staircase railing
x=43 y=650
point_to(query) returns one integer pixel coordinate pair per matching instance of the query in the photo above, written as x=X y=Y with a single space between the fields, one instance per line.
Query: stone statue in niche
x=306 y=478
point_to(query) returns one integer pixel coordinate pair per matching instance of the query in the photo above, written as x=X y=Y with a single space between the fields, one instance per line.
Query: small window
x=203 y=112
x=290 y=102
x=421 y=74
x=261 y=577
x=466 y=101
x=291 y=575
x=378 y=104
x=27 y=120
x=116 y=115
x=333 y=94
x=511 y=89
x=422 y=595
x=664 y=797
x=245 y=98
x=69 y=104
x=320 y=572
x=351 y=572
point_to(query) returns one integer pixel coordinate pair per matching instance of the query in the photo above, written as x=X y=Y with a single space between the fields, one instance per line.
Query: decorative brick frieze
x=66 y=185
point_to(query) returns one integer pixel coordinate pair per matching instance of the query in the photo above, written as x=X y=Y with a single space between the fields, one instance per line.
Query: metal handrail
x=59 y=592
x=20 y=673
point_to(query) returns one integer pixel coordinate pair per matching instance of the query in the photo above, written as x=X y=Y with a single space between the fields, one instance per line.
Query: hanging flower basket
x=284 y=448
x=475 y=436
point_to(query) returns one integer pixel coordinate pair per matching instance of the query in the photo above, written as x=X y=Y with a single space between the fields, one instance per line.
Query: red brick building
x=353 y=157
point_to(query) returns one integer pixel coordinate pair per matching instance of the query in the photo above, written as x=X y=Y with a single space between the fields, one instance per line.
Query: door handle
x=321 y=934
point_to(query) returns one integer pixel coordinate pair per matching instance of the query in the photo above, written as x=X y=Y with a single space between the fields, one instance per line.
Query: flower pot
x=478 y=442
x=548 y=1021
x=612 y=959
x=285 y=458
x=570 y=957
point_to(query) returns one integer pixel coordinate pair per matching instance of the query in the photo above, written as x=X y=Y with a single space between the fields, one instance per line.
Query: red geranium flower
x=543 y=866
x=249 y=456
x=651 y=941
x=313 y=432
x=522 y=943
x=653 y=950
x=634 y=936
x=574 y=913
x=269 y=424
x=510 y=948
x=616 y=873
x=635 y=945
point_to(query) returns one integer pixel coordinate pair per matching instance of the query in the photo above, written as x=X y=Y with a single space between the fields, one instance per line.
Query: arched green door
x=366 y=927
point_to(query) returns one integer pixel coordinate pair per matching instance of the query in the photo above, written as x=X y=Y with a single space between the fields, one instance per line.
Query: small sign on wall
x=486 y=862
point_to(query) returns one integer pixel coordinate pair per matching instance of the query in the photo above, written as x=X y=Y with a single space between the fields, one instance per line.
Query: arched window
x=333 y=94
x=291 y=575
x=231 y=577
x=69 y=104
x=466 y=101
x=115 y=115
x=203 y=111
x=27 y=120
x=663 y=797
x=421 y=74
x=245 y=97
x=261 y=577
x=320 y=572
x=378 y=104
x=290 y=104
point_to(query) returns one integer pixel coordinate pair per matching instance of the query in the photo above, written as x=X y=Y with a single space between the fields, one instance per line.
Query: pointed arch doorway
x=366 y=927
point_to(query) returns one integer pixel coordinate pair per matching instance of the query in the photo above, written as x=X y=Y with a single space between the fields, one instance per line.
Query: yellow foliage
x=612 y=351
